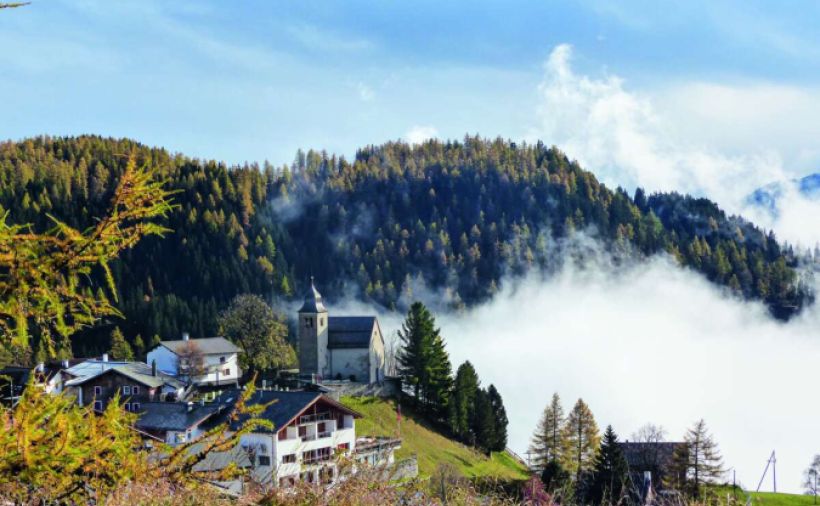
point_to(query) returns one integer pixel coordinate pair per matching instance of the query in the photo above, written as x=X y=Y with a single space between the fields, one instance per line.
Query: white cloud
x=626 y=139
x=418 y=134
x=651 y=343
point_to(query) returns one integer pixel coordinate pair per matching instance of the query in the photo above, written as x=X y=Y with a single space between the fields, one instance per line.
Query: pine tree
x=499 y=440
x=547 y=444
x=610 y=472
x=580 y=440
x=462 y=402
x=120 y=349
x=698 y=461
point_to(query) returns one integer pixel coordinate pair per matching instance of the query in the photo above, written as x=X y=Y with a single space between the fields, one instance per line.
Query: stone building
x=338 y=347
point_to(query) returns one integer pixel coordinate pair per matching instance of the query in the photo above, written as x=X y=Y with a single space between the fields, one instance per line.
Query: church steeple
x=313 y=300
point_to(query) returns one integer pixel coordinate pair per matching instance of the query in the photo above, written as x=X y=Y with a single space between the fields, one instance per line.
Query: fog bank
x=651 y=343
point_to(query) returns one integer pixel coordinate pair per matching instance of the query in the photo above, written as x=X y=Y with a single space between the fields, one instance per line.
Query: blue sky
x=256 y=80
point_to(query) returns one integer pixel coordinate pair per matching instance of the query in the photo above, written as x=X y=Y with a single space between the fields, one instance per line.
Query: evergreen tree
x=580 y=440
x=120 y=349
x=499 y=440
x=610 y=473
x=423 y=361
x=462 y=402
x=483 y=421
x=547 y=444
x=698 y=461
x=155 y=341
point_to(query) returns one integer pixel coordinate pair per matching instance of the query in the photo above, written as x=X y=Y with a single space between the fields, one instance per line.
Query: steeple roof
x=313 y=301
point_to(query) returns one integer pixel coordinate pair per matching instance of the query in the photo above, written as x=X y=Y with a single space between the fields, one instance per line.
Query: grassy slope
x=430 y=447
x=768 y=498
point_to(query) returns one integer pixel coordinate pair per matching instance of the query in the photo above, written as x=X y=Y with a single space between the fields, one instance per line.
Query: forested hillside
x=459 y=217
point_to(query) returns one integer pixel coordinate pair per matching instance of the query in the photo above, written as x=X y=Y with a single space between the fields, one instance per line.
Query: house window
x=126 y=390
x=221 y=360
x=135 y=390
x=344 y=447
x=264 y=460
x=135 y=407
x=283 y=434
x=97 y=391
x=227 y=372
x=289 y=458
x=97 y=405
x=128 y=406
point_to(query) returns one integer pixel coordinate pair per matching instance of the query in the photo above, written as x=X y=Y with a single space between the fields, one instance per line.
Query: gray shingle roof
x=350 y=331
x=174 y=415
x=286 y=406
x=208 y=345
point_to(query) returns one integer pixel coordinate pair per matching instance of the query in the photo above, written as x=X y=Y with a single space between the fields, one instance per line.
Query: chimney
x=105 y=357
x=190 y=406
x=185 y=336
x=202 y=401
x=41 y=367
x=154 y=368
x=65 y=364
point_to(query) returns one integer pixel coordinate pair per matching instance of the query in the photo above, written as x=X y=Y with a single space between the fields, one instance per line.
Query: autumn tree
x=190 y=361
x=250 y=323
x=811 y=477
x=46 y=285
x=580 y=440
x=547 y=443
x=120 y=349
x=697 y=462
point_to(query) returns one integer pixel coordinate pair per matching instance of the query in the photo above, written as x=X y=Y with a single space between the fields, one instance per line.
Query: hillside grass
x=430 y=447
x=765 y=498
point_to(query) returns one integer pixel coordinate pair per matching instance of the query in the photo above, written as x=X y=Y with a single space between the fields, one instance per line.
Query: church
x=338 y=347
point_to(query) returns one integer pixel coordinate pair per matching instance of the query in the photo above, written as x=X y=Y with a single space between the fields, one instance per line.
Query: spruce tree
x=547 y=444
x=483 y=421
x=423 y=361
x=499 y=440
x=608 y=483
x=120 y=349
x=698 y=461
x=580 y=440
x=462 y=402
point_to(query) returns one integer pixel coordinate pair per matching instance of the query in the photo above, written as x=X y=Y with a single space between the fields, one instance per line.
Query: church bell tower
x=313 y=335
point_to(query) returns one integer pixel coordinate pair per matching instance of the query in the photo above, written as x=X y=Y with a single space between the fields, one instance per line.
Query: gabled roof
x=287 y=406
x=350 y=331
x=207 y=345
x=174 y=415
x=137 y=371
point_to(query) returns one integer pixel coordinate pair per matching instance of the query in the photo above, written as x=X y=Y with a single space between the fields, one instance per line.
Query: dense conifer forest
x=460 y=218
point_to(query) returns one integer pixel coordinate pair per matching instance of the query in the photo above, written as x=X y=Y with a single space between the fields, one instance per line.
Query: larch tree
x=811 y=477
x=698 y=461
x=120 y=349
x=139 y=346
x=580 y=440
x=252 y=325
x=547 y=444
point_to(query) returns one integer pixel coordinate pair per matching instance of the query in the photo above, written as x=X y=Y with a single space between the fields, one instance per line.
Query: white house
x=338 y=347
x=220 y=361
x=310 y=431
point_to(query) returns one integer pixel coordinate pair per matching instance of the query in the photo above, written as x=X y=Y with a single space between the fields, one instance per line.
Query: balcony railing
x=326 y=433
x=318 y=417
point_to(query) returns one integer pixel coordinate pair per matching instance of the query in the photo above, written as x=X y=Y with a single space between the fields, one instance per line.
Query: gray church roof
x=350 y=331
x=313 y=301
x=208 y=345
